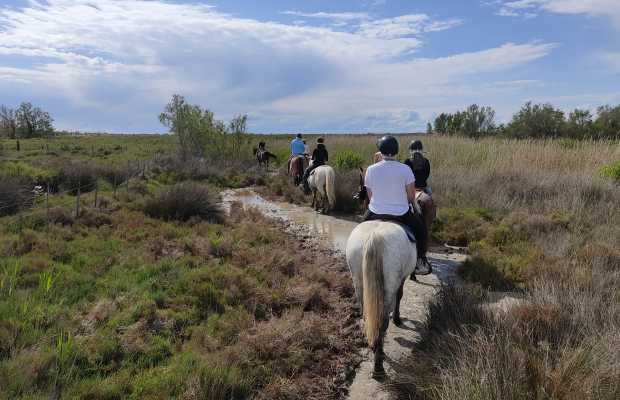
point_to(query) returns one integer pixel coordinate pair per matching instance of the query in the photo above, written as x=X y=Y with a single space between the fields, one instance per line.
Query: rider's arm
x=378 y=157
x=410 y=192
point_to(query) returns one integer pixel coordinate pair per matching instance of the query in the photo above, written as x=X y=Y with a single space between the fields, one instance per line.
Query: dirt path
x=334 y=231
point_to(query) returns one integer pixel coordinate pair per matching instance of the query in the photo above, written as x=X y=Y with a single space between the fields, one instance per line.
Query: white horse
x=380 y=258
x=322 y=180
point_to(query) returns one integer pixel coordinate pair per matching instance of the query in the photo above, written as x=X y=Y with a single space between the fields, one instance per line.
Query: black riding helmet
x=388 y=145
x=415 y=145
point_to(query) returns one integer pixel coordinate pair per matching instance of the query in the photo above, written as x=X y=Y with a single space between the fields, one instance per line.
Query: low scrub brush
x=13 y=193
x=184 y=201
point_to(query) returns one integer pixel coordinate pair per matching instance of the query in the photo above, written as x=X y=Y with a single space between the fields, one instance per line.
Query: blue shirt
x=297 y=146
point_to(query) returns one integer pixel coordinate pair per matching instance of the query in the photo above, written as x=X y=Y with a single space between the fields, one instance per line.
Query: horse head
x=255 y=150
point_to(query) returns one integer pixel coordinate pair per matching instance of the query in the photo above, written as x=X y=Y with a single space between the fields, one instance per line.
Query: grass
x=174 y=306
x=158 y=307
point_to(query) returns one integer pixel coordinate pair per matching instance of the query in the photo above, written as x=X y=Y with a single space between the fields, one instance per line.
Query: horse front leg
x=399 y=295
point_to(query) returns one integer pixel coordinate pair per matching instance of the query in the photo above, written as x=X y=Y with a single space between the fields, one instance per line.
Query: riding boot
x=305 y=186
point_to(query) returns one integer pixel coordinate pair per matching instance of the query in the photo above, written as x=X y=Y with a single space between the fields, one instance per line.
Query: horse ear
x=361 y=169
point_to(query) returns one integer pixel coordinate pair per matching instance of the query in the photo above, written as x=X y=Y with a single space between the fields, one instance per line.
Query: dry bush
x=347 y=184
x=13 y=194
x=184 y=201
x=62 y=216
x=80 y=175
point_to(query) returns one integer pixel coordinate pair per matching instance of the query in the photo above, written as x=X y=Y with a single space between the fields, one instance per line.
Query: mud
x=333 y=231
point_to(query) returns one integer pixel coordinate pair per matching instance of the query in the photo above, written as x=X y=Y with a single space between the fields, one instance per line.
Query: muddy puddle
x=332 y=230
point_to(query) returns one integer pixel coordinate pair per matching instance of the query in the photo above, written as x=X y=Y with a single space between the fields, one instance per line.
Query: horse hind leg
x=378 y=371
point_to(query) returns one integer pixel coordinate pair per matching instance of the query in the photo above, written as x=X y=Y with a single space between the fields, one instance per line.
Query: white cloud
x=122 y=61
x=529 y=15
x=589 y=7
x=405 y=25
x=339 y=16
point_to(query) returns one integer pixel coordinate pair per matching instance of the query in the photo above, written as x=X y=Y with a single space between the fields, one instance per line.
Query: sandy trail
x=334 y=231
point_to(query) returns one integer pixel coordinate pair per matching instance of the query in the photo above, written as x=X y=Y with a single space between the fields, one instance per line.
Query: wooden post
x=77 y=202
x=96 y=190
x=47 y=220
x=18 y=145
x=114 y=184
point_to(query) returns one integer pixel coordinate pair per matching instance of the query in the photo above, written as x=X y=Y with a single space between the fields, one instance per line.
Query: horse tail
x=300 y=166
x=374 y=292
x=330 y=178
x=418 y=206
x=272 y=155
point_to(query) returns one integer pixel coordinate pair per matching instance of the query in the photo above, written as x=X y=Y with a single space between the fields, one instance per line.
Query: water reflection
x=331 y=230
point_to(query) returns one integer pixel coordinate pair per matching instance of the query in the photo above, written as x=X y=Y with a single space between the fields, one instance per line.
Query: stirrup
x=425 y=267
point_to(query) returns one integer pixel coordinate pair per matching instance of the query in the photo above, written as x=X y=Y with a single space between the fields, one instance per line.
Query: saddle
x=395 y=220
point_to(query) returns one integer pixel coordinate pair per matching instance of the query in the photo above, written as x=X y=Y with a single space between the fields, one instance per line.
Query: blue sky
x=351 y=66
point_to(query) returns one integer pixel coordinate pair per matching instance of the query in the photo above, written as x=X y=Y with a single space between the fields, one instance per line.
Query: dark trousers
x=308 y=170
x=414 y=223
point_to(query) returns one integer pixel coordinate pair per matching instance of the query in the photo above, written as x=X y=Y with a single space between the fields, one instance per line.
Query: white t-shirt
x=387 y=181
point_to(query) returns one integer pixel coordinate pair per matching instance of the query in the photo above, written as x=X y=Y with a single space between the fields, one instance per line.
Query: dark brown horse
x=263 y=157
x=423 y=207
x=299 y=163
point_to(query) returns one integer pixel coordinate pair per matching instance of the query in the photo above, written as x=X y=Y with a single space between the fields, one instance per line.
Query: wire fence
x=78 y=200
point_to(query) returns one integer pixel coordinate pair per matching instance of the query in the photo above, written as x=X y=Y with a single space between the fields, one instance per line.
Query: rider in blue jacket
x=297 y=147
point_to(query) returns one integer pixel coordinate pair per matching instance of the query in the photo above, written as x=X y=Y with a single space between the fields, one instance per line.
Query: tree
x=237 y=127
x=478 y=121
x=8 y=123
x=579 y=123
x=455 y=123
x=441 y=123
x=429 y=128
x=199 y=132
x=608 y=122
x=538 y=121
x=32 y=122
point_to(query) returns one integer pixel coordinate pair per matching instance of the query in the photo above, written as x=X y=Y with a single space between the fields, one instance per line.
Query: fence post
x=20 y=219
x=128 y=172
x=96 y=190
x=18 y=145
x=77 y=202
x=47 y=219
x=115 y=184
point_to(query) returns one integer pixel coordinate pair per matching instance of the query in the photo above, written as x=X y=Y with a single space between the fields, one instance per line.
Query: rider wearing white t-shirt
x=391 y=187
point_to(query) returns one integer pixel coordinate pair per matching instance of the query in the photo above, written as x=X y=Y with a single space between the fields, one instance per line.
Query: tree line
x=199 y=133
x=531 y=121
x=25 y=123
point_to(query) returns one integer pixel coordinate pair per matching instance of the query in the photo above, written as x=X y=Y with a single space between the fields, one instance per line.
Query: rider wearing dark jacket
x=319 y=157
x=261 y=145
x=419 y=164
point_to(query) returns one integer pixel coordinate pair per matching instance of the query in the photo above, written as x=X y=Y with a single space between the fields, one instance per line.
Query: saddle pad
x=405 y=227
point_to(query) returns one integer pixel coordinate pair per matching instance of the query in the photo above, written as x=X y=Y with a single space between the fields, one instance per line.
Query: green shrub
x=24 y=171
x=611 y=171
x=348 y=159
x=184 y=201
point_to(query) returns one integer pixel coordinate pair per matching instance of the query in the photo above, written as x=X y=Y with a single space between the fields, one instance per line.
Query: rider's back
x=387 y=181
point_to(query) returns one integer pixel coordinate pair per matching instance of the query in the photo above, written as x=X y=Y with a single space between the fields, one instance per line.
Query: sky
x=348 y=66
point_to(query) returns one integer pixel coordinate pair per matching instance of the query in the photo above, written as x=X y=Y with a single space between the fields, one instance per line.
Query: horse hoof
x=398 y=321
x=379 y=374
x=412 y=277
